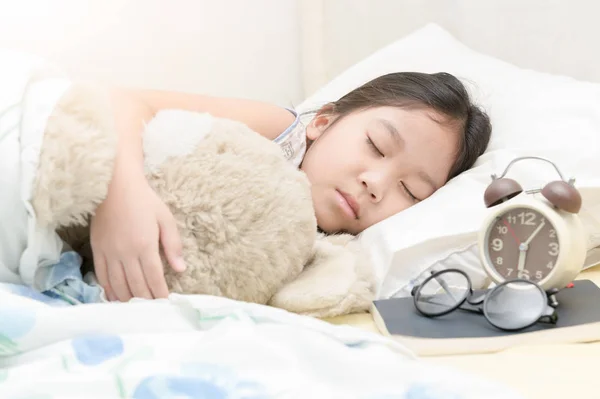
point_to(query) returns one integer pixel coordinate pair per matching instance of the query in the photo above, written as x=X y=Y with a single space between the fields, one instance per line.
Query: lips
x=354 y=206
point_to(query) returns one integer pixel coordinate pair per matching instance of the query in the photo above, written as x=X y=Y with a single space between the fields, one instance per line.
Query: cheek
x=394 y=204
x=332 y=155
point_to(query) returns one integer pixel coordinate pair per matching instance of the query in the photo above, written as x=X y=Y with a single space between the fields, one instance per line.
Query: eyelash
x=407 y=191
x=370 y=142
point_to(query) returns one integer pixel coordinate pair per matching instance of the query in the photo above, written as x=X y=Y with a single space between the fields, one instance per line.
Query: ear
x=320 y=122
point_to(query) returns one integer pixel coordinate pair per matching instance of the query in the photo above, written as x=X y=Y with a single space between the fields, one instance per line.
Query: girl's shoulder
x=293 y=140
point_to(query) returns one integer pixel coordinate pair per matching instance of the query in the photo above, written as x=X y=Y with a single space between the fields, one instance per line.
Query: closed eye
x=373 y=146
x=407 y=191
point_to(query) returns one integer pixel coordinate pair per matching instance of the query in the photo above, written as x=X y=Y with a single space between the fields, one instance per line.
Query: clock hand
x=524 y=247
x=535 y=233
x=511 y=231
x=521 y=265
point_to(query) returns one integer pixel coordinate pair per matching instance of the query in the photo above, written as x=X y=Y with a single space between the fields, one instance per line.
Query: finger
x=171 y=242
x=102 y=274
x=155 y=276
x=118 y=281
x=110 y=295
x=136 y=280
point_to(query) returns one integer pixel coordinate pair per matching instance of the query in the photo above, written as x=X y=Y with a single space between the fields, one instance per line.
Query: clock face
x=522 y=243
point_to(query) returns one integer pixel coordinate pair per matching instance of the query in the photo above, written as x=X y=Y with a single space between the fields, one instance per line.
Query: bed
x=535 y=371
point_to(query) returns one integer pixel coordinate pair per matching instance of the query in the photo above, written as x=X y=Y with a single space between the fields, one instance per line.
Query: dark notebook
x=461 y=331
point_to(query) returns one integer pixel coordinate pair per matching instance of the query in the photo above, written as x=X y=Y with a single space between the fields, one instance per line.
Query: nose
x=374 y=183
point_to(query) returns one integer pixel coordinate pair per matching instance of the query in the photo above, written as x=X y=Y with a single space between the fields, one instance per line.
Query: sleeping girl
x=376 y=151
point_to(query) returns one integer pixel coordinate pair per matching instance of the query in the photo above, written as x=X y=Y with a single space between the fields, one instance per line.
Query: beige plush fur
x=337 y=280
x=250 y=214
x=244 y=213
x=76 y=158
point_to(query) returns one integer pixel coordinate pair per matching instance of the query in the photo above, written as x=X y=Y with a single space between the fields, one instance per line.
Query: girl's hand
x=126 y=232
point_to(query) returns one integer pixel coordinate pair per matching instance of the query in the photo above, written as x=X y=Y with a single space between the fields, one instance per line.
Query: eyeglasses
x=511 y=305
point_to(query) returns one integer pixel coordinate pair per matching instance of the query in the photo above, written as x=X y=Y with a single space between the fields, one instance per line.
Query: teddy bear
x=244 y=213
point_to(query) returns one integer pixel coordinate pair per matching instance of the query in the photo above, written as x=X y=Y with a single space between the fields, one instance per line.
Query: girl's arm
x=132 y=223
x=267 y=119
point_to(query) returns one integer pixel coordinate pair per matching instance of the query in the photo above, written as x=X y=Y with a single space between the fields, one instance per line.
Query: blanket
x=206 y=346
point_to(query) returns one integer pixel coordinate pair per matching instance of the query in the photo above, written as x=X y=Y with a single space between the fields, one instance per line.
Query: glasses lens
x=515 y=305
x=442 y=292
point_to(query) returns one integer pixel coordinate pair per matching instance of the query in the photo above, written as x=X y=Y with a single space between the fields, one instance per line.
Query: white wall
x=283 y=50
x=555 y=36
x=226 y=47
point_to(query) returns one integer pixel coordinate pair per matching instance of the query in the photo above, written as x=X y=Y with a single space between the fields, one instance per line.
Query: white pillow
x=532 y=113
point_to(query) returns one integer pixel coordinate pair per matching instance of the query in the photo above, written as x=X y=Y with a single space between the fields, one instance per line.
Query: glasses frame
x=478 y=304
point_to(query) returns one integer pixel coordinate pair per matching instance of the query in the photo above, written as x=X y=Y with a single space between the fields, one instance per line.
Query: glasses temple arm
x=445 y=287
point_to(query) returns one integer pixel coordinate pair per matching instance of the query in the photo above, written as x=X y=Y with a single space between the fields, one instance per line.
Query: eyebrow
x=391 y=129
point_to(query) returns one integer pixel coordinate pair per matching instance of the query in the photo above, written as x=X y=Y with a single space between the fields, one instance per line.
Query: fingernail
x=180 y=263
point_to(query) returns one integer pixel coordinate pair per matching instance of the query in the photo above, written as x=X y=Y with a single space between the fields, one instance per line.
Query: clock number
x=550 y=265
x=499 y=260
x=497 y=244
x=524 y=274
x=527 y=218
x=511 y=219
x=539 y=275
x=552 y=233
x=502 y=230
x=553 y=249
x=509 y=271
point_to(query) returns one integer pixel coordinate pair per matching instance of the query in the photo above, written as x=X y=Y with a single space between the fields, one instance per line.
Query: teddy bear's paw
x=338 y=281
x=76 y=158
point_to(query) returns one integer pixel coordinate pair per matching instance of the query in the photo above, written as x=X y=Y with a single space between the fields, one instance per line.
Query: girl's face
x=374 y=163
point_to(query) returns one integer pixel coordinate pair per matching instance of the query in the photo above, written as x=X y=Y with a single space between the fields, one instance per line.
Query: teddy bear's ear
x=338 y=280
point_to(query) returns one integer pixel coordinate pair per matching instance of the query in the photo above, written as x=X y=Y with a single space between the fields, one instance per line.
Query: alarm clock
x=536 y=234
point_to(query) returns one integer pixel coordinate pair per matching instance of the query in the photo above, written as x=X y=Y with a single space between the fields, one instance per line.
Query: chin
x=330 y=229
x=329 y=222
x=336 y=232
x=325 y=229
x=327 y=226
